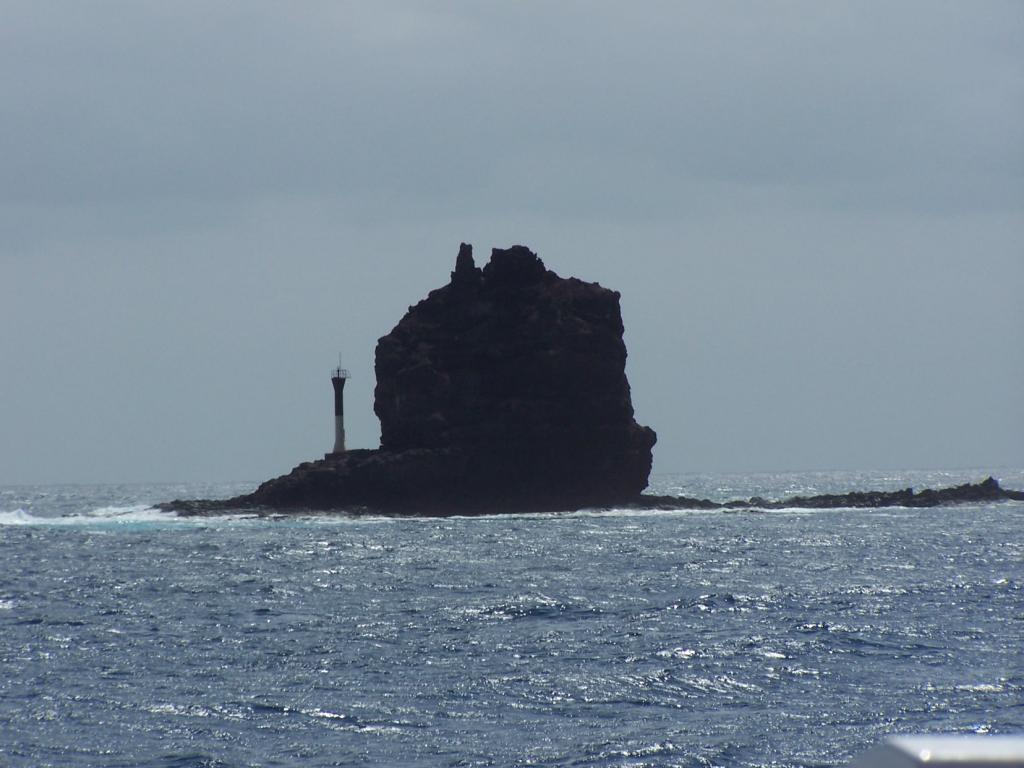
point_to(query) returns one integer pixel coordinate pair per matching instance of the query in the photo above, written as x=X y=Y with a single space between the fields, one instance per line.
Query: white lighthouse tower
x=338 y=379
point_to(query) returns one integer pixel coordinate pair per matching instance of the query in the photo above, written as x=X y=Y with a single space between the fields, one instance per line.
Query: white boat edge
x=939 y=751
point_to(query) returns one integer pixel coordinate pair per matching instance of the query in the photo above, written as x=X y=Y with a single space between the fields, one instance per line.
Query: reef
x=504 y=390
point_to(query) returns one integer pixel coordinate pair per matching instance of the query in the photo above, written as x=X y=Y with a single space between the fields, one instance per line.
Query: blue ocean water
x=129 y=637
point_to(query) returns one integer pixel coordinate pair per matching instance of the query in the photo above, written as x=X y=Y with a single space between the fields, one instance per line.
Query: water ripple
x=582 y=640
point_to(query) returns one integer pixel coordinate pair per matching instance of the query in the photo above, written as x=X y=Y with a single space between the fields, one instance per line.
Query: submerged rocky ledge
x=505 y=391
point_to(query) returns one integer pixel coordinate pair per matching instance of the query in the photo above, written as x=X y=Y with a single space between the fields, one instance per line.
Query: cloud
x=860 y=102
x=806 y=206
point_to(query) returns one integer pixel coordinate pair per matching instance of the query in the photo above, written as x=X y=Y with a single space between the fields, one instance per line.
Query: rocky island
x=505 y=391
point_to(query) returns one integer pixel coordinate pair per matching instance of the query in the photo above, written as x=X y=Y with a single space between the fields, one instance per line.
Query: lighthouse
x=338 y=379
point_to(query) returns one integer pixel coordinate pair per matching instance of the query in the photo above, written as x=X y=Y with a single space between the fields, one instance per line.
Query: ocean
x=129 y=637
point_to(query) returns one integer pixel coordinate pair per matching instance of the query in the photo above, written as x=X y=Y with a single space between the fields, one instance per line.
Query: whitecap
x=20 y=517
x=676 y=653
x=980 y=688
x=136 y=513
x=179 y=710
x=105 y=516
x=322 y=713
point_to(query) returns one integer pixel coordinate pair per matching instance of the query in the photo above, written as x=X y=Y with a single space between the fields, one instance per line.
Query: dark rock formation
x=321 y=479
x=968 y=493
x=519 y=376
x=505 y=390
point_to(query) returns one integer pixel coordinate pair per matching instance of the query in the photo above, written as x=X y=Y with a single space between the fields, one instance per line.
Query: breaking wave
x=133 y=514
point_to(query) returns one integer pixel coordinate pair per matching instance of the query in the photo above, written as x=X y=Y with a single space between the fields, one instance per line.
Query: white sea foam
x=324 y=714
x=133 y=514
x=179 y=710
x=980 y=688
x=676 y=653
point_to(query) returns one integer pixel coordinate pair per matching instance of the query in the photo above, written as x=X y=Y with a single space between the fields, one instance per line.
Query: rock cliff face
x=520 y=374
x=504 y=390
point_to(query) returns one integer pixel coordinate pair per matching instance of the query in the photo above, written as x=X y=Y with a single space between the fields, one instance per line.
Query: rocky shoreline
x=986 y=491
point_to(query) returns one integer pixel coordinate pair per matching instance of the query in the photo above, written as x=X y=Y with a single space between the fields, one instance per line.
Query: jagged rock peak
x=466 y=271
x=517 y=265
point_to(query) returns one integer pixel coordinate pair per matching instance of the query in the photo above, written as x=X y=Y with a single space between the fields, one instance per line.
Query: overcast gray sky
x=814 y=212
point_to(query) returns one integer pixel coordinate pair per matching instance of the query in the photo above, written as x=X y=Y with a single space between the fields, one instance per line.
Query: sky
x=814 y=213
